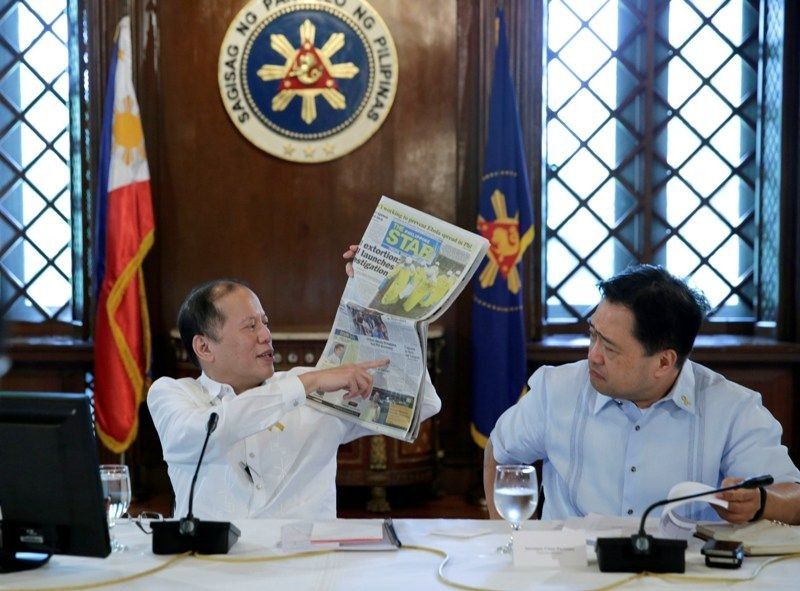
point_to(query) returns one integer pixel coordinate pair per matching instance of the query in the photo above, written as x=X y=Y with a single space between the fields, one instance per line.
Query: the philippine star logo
x=308 y=81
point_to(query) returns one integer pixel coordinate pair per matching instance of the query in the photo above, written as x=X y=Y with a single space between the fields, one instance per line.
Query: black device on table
x=642 y=552
x=723 y=554
x=51 y=497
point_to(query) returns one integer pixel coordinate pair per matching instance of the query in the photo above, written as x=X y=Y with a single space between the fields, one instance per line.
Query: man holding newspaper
x=273 y=453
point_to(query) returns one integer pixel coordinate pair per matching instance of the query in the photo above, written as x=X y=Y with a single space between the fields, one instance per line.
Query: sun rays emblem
x=127 y=132
x=505 y=247
x=307 y=72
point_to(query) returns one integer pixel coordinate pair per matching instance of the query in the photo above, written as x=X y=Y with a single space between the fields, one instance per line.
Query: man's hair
x=667 y=313
x=199 y=314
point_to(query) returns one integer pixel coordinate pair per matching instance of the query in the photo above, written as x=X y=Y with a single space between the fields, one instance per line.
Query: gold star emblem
x=309 y=152
x=329 y=149
x=308 y=72
x=288 y=149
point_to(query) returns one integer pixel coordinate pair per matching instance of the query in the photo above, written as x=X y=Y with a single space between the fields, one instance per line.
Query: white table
x=472 y=562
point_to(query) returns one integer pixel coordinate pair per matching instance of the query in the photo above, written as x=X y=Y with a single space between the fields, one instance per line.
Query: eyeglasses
x=144 y=519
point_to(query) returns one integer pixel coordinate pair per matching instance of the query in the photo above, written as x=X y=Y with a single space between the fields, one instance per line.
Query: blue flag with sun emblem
x=505 y=219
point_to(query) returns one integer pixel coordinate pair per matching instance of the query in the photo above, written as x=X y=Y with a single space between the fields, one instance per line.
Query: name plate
x=550 y=548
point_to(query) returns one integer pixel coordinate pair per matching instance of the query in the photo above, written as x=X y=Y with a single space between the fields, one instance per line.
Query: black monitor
x=51 y=498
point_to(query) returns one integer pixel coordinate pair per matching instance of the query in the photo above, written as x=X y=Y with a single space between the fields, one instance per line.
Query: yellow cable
x=632 y=577
x=439 y=573
x=124 y=579
x=270 y=558
x=621 y=582
x=697 y=579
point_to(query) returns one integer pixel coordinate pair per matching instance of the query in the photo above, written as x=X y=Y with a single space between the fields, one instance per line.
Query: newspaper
x=409 y=269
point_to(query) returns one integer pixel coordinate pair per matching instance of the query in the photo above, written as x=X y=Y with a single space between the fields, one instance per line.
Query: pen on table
x=246 y=469
x=392 y=533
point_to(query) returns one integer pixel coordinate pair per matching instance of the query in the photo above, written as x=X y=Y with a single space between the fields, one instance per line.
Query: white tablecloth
x=473 y=562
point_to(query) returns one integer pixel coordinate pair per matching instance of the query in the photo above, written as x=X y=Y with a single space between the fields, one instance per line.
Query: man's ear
x=202 y=348
x=667 y=361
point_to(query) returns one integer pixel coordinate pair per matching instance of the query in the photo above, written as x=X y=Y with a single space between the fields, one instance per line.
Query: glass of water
x=116 y=481
x=515 y=495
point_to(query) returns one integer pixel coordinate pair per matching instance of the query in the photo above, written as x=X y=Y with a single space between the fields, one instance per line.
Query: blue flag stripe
x=101 y=199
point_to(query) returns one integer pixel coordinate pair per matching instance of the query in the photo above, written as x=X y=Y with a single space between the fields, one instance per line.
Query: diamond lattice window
x=36 y=252
x=651 y=148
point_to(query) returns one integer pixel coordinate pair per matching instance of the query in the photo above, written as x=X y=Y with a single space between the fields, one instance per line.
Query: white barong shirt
x=271 y=455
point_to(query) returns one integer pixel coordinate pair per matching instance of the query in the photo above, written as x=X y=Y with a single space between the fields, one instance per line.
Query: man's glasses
x=144 y=519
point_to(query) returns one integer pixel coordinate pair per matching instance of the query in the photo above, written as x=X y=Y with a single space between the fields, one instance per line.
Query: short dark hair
x=667 y=312
x=199 y=314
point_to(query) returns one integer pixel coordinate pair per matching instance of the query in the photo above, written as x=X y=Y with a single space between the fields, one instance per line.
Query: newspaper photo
x=409 y=269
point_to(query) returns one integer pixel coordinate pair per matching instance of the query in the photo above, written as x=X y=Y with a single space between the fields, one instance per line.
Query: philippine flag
x=123 y=236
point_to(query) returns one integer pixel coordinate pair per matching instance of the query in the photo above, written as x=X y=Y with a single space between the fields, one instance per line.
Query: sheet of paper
x=550 y=548
x=295 y=536
x=463 y=532
x=346 y=532
x=683 y=489
x=674 y=526
x=591 y=535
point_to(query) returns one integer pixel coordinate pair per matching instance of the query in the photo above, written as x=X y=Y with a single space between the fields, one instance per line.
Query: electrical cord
x=115 y=581
x=440 y=571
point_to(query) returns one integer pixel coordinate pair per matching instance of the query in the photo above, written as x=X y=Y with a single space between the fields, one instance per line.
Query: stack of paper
x=356 y=535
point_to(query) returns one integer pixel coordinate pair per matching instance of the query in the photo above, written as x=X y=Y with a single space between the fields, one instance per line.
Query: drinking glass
x=116 y=481
x=515 y=495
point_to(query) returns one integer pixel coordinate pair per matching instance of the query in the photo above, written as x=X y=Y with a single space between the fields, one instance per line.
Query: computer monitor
x=51 y=498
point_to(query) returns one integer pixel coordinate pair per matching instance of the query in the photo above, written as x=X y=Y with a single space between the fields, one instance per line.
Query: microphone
x=642 y=552
x=190 y=534
x=188 y=524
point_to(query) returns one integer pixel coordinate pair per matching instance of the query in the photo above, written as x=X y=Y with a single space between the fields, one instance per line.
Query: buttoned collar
x=214 y=389
x=681 y=394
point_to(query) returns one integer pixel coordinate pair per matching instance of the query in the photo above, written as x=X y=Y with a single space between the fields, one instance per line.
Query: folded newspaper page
x=409 y=269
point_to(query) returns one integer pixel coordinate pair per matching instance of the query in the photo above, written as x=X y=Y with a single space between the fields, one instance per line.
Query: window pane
x=35 y=204
x=646 y=153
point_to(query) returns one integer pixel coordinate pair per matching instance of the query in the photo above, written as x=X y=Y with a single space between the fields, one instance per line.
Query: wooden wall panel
x=225 y=208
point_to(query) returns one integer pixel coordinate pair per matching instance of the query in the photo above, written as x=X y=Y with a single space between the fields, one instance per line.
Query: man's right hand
x=353 y=377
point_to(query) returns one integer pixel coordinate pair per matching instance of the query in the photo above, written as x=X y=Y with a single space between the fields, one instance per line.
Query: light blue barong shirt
x=607 y=456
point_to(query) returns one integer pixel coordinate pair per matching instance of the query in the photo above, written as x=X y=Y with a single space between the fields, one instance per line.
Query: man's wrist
x=763 y=504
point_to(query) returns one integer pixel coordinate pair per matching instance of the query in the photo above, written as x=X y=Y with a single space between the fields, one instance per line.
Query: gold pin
x=685 y=400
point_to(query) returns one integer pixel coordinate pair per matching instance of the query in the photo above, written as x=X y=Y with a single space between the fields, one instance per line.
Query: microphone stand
x=642 y=552
x=188 y=524
x=190 y=534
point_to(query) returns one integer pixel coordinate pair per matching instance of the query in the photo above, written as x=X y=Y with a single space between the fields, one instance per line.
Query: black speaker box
x=211 y=537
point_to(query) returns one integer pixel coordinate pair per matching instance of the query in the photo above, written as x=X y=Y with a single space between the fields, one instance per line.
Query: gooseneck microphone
x=642 y=552
x=190 y=534
x=188 y=524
